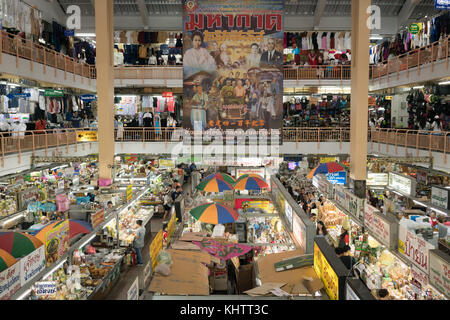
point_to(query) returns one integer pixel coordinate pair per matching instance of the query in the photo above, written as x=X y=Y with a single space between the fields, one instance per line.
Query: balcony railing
x=36 y=53
x=437 y=51
x=12 y=143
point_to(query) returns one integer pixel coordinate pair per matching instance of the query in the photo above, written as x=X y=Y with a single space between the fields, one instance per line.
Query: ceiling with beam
x=416 y=9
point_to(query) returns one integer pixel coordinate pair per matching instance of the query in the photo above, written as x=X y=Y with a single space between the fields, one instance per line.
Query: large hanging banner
x=233 y=64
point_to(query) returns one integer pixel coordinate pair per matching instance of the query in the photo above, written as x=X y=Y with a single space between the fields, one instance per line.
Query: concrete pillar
x=360 y=92
x=104 y=29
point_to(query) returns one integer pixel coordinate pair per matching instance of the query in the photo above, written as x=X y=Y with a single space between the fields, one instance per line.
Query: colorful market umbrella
x=214 y=185
x=251 y=175
x=6 y=260
x=223 y=251
x=328 y=167
x=346 y=166
x=250 y=183
x=18 y=244
x=221 y=176
x=76 y=227
x=214 y=213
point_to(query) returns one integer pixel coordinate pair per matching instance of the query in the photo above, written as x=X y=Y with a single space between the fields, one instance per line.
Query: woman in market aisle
x=85 y=123
x=343 y=238
x=139 y=241
x=346 y=258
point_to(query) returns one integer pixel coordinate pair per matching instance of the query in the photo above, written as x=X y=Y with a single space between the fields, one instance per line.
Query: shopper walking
x=139 y=241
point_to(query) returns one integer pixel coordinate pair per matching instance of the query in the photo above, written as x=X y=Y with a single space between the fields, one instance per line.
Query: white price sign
x=415 y=249
x=440 y=273
x=32 y=264
x=377 y=179
x=133 y=292
x=9 y=281
x=377 y=225
x=45 y=288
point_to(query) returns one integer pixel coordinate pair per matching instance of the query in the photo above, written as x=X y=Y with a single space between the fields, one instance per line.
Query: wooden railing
x=36 y=53
x=148 y=72
x=325 y=72
x=14 y=142
x=391 y=68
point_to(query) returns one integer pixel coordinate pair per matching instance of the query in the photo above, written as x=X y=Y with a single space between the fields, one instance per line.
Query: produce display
x=267 y=230
x=330 y=215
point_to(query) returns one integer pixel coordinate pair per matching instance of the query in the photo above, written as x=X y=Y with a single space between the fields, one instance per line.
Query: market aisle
x=127 y=277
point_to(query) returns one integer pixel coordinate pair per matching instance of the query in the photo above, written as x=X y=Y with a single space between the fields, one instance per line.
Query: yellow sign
x=171 y=227
x=155 y=248
x=326 y=273
x=129 y=192
x=166 y=163
x=267 y=206
x=328 y=159
x=281 y=201
x=87 y=136
x=388 y=98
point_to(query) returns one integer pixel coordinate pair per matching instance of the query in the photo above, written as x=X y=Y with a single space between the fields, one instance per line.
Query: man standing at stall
x=139 y=241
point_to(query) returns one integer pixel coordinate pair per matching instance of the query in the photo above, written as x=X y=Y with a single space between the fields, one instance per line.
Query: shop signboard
x=326 y=273
x=26 y=197
x=288 y=214
x=98 y=218
x=171 y=227
x=252 y=204
x=155 y=248
x=414 y=29
x=420 y=277
x=281 y=201
x=383 y=228
x=259 y=171
x=129 y=192
x=45 y=288
x=355 y=206
x=166 y=163
x=341 y=197
x=350 y=294
x=69 y=33
x=9 y=281
x=440 y=271
x=31 y=265
x=377 y=179
x=299 y=231
x=401 y=184
x=133 y=292
x=231 y=24
x=442 y=4
x=328 y=159
x=18 y=95
x=54 y=93
x=88 y=97
x=57 y=242
x=87 y=136
x=415 y=249
x=337 y=177
x=440 y=197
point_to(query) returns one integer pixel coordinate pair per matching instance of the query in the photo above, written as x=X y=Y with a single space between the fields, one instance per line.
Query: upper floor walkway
x=26 y=59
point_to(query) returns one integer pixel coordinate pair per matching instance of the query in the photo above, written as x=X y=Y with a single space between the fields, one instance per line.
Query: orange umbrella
x=6 y=260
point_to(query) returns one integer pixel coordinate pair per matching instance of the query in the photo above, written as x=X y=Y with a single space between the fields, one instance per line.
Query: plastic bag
x=164 y=258
x=163 y=269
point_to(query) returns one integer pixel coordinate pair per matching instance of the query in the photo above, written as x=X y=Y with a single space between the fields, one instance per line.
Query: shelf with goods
x=102 y=275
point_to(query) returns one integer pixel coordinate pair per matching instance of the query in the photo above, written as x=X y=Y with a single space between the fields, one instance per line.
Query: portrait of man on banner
x=233 y=76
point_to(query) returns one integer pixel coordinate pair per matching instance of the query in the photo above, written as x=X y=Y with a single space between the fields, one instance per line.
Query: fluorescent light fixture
x=87 y=241
x=13 y=219
x=420 y=203
x=376 y=37
x=54 y=269
x=418 y=87
x=81 y=34
x=444 y=83
x=398 y=193
x=27 y=292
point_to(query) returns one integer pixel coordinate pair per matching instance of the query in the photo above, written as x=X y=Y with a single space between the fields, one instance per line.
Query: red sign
x=98 y=218
x=167 y=94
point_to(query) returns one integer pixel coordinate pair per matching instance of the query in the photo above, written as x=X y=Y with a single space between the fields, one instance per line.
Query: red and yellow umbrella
x=6 y=260
x=75 y=227
x=221 y=176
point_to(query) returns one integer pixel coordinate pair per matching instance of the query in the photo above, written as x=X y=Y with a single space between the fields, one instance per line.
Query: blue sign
x=442 y=4
x=88 y=97
x=337 y=177
x=69 y=33
x=18 y=95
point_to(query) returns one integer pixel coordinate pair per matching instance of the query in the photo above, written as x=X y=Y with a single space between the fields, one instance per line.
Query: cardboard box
x=245 y=279
x=220 y=282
